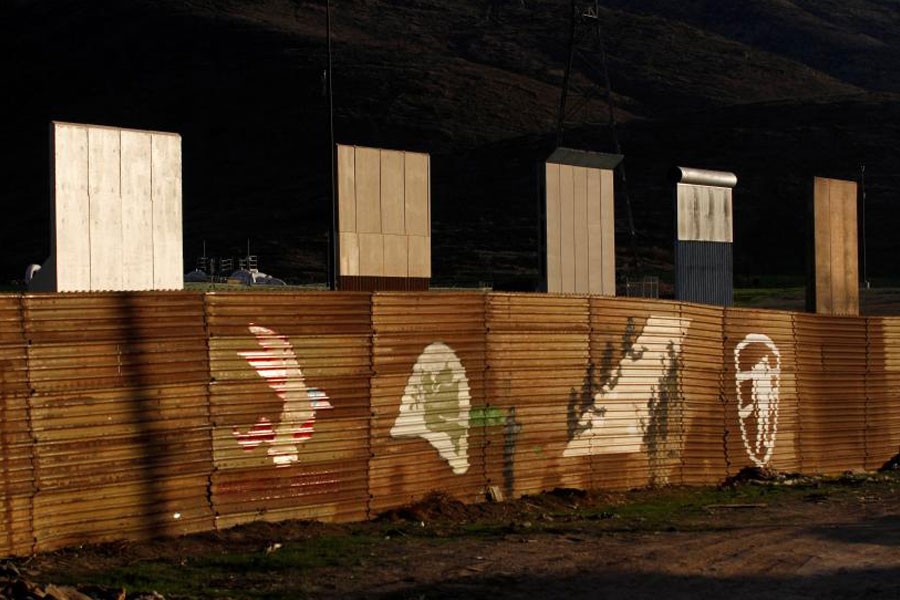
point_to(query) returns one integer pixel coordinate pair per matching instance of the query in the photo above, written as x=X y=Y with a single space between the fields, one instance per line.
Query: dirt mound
x=891 y=465
x=434 y=507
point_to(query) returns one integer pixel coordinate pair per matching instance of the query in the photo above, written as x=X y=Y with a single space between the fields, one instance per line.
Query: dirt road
x=819 y=540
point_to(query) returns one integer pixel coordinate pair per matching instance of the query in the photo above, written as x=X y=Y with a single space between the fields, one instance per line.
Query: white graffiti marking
x=764 y=379
x=617 y=421
x=277 y=363
x=435 y=405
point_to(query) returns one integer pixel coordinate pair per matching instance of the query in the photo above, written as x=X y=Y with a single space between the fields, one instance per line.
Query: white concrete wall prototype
x=116 y=211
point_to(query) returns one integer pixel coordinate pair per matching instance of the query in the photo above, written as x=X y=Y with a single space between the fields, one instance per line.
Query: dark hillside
x=242 y=82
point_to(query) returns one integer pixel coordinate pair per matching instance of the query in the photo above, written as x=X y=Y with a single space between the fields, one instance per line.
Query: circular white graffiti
x=764 y=381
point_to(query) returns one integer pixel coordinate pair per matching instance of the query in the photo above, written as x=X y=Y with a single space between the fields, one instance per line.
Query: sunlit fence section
x=131 y=415
x=289 y=405
x=429 y=405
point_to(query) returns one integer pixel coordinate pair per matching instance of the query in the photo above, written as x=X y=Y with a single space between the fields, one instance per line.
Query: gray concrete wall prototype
x=704 y=271
x=116 y=219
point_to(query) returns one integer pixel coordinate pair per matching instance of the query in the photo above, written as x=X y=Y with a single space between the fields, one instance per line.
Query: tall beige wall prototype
x=384 y=213
x=116 y=211
x=580 y=222
x=834 y=281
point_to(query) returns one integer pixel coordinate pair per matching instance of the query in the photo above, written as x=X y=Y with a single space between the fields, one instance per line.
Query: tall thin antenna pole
x=561 y=116
x=862 y=185
x=335 y=248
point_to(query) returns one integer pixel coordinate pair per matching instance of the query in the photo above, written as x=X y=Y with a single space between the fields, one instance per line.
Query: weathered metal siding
x=701 y=377
x=16 y=443
x=882 y=391
x=831 y=360
x=539 y=358
x=383 y=284
x=704 y=272
x=429 y=407
x=119 y=416
x=289 y=402
x=762 y=401
x=632 y=423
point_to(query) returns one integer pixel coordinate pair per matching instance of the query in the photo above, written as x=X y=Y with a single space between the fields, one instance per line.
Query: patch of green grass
x=755 y=297
x=281 y=573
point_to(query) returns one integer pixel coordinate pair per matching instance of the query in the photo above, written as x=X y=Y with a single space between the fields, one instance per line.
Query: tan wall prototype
x=581 y=246
x=835 y=247
x=116 y=211
x=384 y=209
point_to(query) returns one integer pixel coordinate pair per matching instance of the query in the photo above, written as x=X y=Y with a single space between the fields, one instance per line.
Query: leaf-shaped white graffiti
x=435 y=405
x=277 y=363
x=617 y=420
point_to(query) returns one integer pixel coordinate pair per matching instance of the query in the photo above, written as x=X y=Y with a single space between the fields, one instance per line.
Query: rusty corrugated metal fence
x=130 y=415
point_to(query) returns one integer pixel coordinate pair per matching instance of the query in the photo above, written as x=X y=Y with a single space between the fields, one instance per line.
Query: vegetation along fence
x=135 y=415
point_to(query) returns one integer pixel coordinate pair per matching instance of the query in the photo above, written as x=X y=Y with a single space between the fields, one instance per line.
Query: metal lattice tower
x=587 y=55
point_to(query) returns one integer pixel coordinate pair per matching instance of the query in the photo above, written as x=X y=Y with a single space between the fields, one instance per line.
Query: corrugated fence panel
x=701 y=373
x=119 y=413
x=290 y=405
x=762 y=401
x=883 y=391
x=831 y=360
x=629 y=414
x=539 y=356
x=16 y=444
x=429 y=407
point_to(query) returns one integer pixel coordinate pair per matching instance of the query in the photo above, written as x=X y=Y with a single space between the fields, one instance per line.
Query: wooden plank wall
x=835 y=248
x=135 y=415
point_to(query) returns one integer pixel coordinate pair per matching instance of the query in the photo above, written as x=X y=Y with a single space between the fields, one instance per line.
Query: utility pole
x=862 y=188
x=335 y=242
x=586 y=50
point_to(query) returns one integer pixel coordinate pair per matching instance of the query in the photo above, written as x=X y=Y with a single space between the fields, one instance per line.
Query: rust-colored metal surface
x=289 y=402
x=831 y=375
x=539 y=359
x=702 y=382
x=16 y=443
x=882 y=391
x=129 y=415
x=429 y=407
x=119 y=416
x=760 y=390
x=632 y=424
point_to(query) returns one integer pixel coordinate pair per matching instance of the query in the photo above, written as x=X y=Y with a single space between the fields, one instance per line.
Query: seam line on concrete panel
x=867 y=426
x=90 y=236
x=680 y=399
x=801 y=395
x=29 y=407
x=723 y=391
x=371 y=418
x=153 y=214
x=209 y=418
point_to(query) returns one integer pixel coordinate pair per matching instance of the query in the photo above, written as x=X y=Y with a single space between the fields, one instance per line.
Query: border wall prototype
x=833 y=257
x=704 y=237
x=115 y=211
x=384 y=219
x=130 y=415
x=579 y=223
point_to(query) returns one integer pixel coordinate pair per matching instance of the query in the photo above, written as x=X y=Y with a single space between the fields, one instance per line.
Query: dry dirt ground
x=789 y=538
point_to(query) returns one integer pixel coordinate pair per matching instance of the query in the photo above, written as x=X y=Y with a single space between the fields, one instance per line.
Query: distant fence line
x=130 y=415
